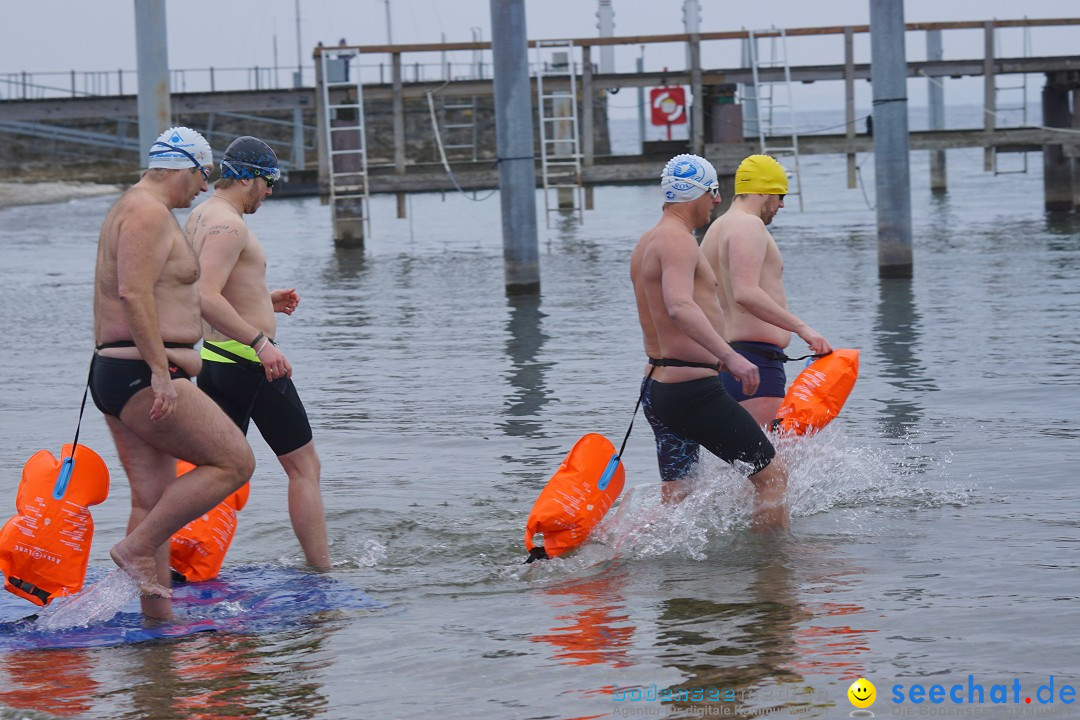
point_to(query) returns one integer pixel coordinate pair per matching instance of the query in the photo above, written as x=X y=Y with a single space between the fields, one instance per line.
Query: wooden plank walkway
x=59 y=109
x=644 y=169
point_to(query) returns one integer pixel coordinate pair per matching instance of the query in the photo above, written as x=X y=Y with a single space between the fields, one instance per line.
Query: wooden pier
x=402 y=168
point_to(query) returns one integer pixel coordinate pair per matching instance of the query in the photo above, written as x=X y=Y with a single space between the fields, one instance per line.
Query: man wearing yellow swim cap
x=749 y=271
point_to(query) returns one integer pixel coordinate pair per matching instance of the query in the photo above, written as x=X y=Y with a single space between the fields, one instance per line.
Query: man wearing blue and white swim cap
x=244 y=371
x=682 y=325
x=146 y=324
x=749 y=269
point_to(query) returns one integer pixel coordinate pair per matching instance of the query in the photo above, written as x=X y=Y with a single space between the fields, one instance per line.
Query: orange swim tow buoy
x=198 y=549
x=818 y=393
x=44 y=549
x=576 y=497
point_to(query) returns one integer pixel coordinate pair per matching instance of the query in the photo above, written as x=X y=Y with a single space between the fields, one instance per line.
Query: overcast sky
x=50 y=35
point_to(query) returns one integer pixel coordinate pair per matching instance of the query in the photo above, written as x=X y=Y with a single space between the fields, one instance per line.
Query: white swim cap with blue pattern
x=180 y=148
x=686 y=178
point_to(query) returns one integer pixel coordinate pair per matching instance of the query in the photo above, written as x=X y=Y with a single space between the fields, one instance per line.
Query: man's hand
x=164 y=396
x=285 y=301
x=744 y=371
x=818 y=344
x=275 y=364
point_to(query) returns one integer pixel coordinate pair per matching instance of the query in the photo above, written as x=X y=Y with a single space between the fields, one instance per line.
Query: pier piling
x=152 y=53
x=849 y=103
x=1057 y=168
x=514 y=146
x=935 y=51
x=888 y=67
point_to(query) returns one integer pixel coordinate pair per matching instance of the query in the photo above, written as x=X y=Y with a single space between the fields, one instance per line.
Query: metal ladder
x=457 y=118
x=560 y=149
x=1017 y=110
x=345 y=128
x=777 y=135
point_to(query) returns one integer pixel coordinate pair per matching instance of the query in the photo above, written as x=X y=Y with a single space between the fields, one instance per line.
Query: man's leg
x=770 y=505
x=675 y=454
x=199 y=432
x=306 y=504
x=149 y=472
x=705 y=412
x=763 y=409
x=766 y=401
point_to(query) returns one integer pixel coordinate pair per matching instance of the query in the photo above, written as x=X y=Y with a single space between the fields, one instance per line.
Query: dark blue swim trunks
x=770 y=368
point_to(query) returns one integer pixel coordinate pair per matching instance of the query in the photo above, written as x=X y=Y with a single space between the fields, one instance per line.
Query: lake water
x=934 y=533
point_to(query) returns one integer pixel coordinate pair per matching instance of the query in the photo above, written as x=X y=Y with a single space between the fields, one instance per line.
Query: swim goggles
x=249 y=171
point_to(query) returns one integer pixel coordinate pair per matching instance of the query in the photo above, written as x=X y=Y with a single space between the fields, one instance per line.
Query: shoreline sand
x=41 y=193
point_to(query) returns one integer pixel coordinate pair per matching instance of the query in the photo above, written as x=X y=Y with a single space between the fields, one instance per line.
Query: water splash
x=358 y=553
x=252 y=600
x=97 y=603
x=826 y=472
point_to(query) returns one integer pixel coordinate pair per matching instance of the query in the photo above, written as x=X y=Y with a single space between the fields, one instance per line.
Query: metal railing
x=25 y=85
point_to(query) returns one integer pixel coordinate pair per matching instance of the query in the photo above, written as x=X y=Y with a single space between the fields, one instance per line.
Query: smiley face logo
x=862 y=693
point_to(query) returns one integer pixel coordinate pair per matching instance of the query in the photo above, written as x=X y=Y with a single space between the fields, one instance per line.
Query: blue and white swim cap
x=686 y=178
x=249 y=157
x=180 y=148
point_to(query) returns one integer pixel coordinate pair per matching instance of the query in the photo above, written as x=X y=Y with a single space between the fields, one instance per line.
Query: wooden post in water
x=588 y=149
x=1076 y=160
x=152 y=56
x=299 y=161
x=399 y=129
x=935 y=50
x=322 y=152
x=888 y=68
x=849 y=102
x=1057 y=169
x=697 y=117
x=989 y=93
x=514 y=146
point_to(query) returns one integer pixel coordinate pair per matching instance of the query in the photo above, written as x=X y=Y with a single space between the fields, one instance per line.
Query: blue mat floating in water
x=245 y=600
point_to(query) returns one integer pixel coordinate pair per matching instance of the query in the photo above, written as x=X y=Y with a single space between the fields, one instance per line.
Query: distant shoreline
x=13 y=194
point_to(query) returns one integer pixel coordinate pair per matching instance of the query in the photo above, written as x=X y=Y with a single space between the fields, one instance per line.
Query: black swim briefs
x=702 y=411
x=113 y=381
x=244 y=394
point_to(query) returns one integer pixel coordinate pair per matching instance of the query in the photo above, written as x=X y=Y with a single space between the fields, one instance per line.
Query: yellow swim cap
x=760 y=174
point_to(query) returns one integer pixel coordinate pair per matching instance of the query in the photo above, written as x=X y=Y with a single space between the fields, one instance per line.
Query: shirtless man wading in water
x=749 y=269
x=243 y=369
x=683 y=325
x=146 y=323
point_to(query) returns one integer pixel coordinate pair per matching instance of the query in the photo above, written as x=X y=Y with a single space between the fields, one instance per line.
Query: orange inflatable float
x=575 y=498
x=45 y=548
x=818 y=393
x=198 y=549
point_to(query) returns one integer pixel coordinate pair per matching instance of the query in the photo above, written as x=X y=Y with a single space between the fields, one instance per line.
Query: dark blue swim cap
x=247 y=158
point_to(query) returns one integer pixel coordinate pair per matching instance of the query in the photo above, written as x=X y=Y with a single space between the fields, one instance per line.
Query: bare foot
x=769 y=517
x=141 y=569
x=673 y=492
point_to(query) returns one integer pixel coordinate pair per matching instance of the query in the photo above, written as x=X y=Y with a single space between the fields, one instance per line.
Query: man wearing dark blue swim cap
x=243 y=368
